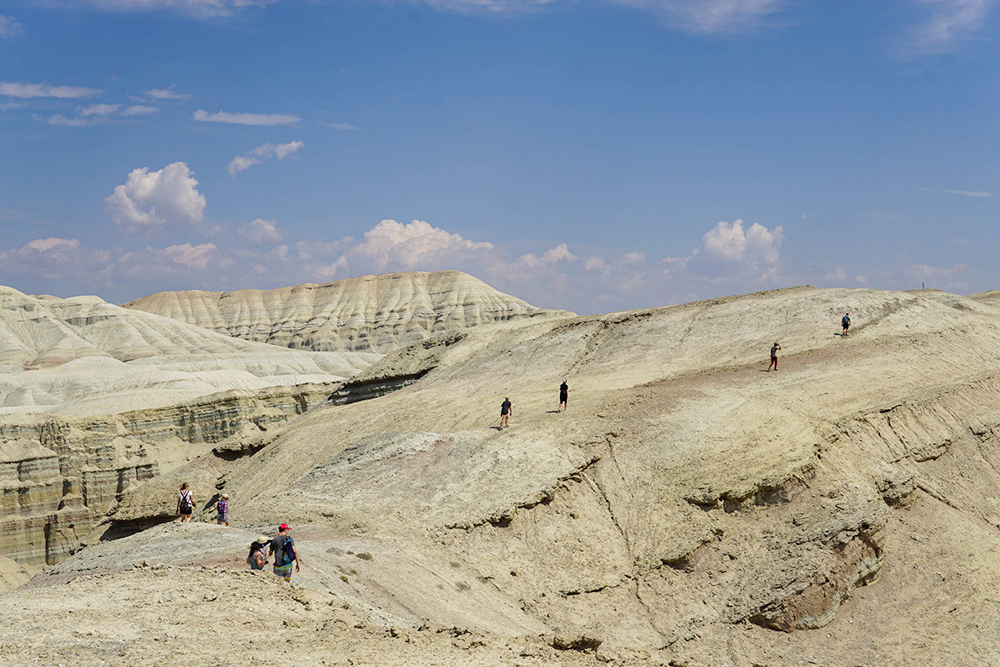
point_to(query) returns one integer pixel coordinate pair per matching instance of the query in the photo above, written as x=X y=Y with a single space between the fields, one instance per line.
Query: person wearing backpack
x=845 y=322
x=285 y=553
x=185 y=503
x=257 y=558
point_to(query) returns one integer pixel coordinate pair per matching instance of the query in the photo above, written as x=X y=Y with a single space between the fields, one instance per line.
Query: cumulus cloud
x=29 y=90
x=139 y=110
x=261 y=232
x=246 y=118
x=730 y=243
x=408 y=246
x=261 y=153
x=9 y=26
x=150 y=201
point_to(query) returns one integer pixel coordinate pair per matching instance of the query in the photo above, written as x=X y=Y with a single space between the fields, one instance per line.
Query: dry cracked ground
x=689 y=508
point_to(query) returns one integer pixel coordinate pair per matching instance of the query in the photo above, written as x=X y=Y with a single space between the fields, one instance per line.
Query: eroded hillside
x=690 y=508
x=370 y=313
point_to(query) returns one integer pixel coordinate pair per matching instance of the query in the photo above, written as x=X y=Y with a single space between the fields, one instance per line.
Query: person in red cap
x=285 y=553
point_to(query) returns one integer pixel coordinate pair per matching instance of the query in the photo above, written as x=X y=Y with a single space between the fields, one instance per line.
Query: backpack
x=186 y=500
x=287 y=555
x=846 y=320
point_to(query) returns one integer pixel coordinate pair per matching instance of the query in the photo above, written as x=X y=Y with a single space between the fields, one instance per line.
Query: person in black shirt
x=563 y=395
x=506 y=410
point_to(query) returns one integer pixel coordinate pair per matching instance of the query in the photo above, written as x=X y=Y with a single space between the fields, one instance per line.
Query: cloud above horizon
x=152 y=201
x=262 y=153
x=30 y=90
x=245 y=118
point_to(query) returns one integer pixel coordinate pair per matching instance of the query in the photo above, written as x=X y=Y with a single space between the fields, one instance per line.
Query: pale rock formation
x=371 y=313
x=689 y=508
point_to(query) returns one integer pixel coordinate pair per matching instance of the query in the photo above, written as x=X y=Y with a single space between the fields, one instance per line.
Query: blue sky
x=593 y=155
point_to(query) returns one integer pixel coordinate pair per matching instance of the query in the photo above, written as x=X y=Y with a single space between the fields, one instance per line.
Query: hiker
x=563 y=395
x=774 y=356
x=846 y=323
x=257 y=558
x=285 y=553
x=222 y=510
x=506 y=410
x=185 y=503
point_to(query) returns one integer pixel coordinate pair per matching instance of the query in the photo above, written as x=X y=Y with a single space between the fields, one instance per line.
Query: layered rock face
x=59 y=476
x=371 y=313
x=96 y=399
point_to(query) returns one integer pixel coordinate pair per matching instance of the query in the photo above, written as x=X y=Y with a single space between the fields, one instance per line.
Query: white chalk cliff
x=371 y=313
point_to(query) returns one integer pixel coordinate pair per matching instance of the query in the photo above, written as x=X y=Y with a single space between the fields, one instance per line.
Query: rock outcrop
x=371 y=313
x=688 y=508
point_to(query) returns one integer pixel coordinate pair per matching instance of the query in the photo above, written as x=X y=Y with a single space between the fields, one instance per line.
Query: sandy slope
x=687 y=503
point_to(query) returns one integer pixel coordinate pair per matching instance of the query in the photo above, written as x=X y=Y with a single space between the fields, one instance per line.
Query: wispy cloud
x=193 y=8
x=712 y=16
x=139 y=110
x=29 y=90
x=98 y=110
x=62 y=120
x=9 y=26
x=339 y=126
x=949 y=23
x=261 y=153
x=165 y=94
x=246 y=118
x=970 y=193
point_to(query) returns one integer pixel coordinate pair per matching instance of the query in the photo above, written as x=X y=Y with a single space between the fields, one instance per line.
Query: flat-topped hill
x=370 y=313
x=689 y=507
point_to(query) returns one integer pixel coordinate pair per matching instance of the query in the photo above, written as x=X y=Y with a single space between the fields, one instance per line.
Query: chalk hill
x=370 y=313
x=690 y=508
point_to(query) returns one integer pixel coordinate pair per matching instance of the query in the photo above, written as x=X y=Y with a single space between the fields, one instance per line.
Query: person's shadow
x=497 y=428
x=552 y=412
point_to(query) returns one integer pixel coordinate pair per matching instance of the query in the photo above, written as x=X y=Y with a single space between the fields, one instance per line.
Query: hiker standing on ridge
x=563 y=396
x=506 y=410
x=846 y=323
x=285 y=553
x=774 y=356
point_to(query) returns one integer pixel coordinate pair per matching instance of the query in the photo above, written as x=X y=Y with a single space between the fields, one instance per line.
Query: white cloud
x=261 y=232
x=169 y=94
x=60 y=119
x=712 y=16
x=152 y=200
x=29 y=90
x=729 y=243
x=971 y=193
x=412 y=245
x=139 y=110
x=9 y=26
x=341 y=126
x=950 y=22
x=193 y=257
x=98 y=110
x=192 y=8
x=261 y=153
x=246 y=118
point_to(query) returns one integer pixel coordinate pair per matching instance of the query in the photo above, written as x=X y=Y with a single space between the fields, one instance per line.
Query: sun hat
x=263 y=539
x=225 y=496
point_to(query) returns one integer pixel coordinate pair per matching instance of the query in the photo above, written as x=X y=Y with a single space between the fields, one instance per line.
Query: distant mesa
x=365 y=314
